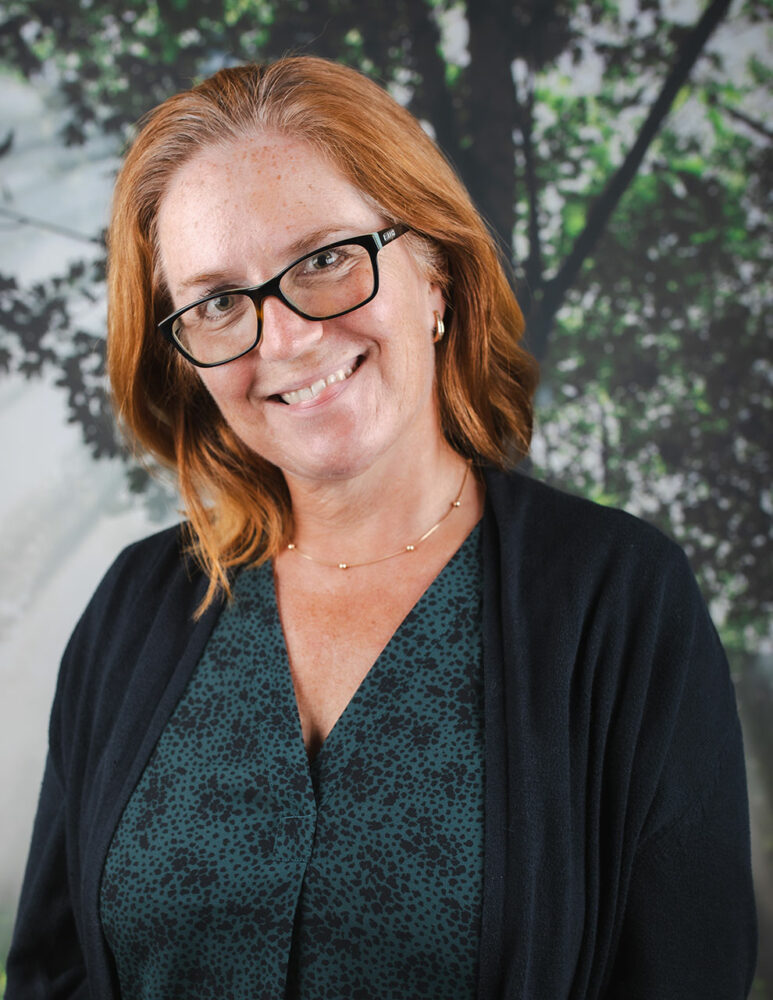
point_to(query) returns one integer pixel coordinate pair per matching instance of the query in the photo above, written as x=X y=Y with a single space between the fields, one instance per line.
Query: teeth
x=310 y=391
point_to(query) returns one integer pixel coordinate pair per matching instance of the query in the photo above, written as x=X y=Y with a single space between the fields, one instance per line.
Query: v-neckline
x=312 y=763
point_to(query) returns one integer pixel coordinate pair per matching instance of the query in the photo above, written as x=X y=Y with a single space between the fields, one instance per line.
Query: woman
x=382 y=719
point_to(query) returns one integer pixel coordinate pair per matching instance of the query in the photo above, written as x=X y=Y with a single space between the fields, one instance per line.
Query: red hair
x=237 y=504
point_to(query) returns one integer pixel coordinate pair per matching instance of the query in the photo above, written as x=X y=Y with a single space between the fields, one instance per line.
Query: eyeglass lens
x=324 y=284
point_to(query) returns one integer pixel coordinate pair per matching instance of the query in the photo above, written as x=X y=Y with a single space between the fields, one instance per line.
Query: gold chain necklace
x=456 y=502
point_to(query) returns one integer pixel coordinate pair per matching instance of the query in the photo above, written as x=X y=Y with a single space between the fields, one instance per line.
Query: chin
x=347 y=461
x=339 y=468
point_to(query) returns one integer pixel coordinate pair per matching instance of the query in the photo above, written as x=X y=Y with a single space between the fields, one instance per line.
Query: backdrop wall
x=620 y=152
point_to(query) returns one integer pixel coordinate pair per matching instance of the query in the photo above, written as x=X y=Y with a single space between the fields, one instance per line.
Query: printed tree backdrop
x=638 y=239
x=620 y=152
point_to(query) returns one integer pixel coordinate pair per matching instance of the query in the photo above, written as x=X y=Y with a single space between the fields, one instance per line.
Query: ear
x=435 y=300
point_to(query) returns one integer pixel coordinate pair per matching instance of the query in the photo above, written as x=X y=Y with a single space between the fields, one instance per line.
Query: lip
x=329 y=392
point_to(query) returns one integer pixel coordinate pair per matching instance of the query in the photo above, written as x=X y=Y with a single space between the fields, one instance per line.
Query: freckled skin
x=234 y=211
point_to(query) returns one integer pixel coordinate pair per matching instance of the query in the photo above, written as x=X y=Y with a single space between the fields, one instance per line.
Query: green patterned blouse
x=240 y=871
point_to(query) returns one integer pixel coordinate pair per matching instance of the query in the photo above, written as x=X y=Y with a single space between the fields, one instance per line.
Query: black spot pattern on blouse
x=238 y=870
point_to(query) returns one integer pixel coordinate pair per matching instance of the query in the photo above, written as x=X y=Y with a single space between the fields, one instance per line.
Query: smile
x=312 y=390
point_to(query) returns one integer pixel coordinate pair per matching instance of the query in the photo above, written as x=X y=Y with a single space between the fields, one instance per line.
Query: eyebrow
x=298 y=248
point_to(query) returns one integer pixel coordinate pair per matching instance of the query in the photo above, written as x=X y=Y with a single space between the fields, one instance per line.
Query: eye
x=220 y=305
x=322 y=261
x=216 y=313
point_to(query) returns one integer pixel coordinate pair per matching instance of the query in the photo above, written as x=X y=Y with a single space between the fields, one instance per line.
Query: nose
x=286 y=335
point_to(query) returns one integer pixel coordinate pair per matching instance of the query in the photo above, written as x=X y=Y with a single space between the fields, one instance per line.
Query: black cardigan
x=616 y=828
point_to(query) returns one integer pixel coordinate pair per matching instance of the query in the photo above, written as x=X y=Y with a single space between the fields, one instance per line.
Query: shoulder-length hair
x=237 y=503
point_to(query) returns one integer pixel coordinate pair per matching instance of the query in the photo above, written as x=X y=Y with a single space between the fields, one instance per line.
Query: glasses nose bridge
x=269 y=289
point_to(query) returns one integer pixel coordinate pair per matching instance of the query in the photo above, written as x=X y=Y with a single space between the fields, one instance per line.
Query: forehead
x=257 y=192
x=269 y=158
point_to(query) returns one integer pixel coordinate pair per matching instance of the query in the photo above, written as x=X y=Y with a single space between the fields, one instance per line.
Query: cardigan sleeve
x=689 y=927
x=45 y=961
x=57 y=949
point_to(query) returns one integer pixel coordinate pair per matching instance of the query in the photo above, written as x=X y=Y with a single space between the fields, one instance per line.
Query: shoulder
x=137 y=582
x=148 y=596
x=523 y=504
x=148 y=562
x=606 y=599
x=597 y=607
x=550 y=533
x=151 y=577
x=582 y=583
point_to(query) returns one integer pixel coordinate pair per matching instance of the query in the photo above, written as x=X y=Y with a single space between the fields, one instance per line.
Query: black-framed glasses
x=331 y=281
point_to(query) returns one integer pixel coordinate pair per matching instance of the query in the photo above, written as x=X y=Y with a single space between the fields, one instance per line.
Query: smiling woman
x=380 y=711
x=295 y=126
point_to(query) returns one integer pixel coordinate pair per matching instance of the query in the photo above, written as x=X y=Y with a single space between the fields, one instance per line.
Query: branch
x=534 y=263
x=752 y=123
x=555 y=290
x=51 y=227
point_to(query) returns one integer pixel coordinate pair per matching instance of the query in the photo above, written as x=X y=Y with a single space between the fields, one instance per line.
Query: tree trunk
x=550 y=298
x=492 y=118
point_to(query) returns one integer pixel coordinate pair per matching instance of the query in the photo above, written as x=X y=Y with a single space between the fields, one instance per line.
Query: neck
x=372 y=514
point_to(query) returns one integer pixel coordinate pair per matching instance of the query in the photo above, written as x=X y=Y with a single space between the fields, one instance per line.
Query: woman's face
x=235 y=216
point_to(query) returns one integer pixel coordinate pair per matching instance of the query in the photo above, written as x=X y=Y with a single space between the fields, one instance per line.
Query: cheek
x=228 y=383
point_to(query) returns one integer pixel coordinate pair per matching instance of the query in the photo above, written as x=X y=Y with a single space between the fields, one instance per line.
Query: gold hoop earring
x=440 y=328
